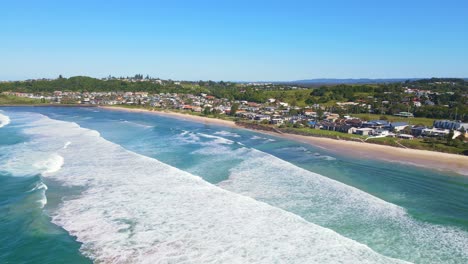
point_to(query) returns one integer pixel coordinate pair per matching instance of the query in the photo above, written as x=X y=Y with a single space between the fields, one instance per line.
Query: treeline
x=345 y=92
x=87 y=84
x=450 y=102
x=440 y=84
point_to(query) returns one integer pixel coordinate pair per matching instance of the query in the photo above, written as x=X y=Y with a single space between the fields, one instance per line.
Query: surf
x=4 y=120
x=135 y=208
x=385 y=227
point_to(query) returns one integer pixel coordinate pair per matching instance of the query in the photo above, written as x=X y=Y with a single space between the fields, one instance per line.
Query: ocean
x=84 y=185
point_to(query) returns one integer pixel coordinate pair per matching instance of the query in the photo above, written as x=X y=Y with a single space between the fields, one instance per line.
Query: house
x=446 y=124
x=310 y=113
x=346 y=129
x=381 y=132
x=276 y=121
x=354 y=122
x=313 y=124
x=261 y=117
x=375 y=124
x=417 y=130
x=397 y=126
x=405 y=136
x=366 y=131
x=435 y=132
x=332 y=117
x=328 y=125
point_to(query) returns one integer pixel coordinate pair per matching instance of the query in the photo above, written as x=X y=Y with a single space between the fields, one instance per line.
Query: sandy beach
x=421 y=158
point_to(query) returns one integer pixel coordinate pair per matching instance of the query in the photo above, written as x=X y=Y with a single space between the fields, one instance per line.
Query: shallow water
x=126 y=185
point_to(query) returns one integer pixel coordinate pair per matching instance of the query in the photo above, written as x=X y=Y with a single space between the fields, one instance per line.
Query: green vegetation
x=14 y=100
x=423 y=144
x=88 y=84
x=446 y=99
x=322 y=133
x=390 y=118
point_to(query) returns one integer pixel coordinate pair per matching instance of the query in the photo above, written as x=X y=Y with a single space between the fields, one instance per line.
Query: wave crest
x=137 y=209
x=4 y=120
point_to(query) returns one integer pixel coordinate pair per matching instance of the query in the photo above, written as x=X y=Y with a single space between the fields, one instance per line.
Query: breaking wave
x=227 y=134
x=4 y=120
x=137 y=209
x=386 y=227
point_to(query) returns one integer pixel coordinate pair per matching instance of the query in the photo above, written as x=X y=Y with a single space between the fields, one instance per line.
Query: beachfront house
x=381 y=132
x=375 y=124
x=365 y=131
x=447 y=124
x=405 y=136
x=417 y=130
x=439 y=132
x=276 y=121
x=396 y=126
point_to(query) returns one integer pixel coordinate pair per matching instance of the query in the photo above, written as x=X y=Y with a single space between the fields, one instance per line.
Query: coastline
x=421 y=158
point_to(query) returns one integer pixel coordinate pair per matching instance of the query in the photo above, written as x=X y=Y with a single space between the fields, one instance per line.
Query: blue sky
x=234 y=40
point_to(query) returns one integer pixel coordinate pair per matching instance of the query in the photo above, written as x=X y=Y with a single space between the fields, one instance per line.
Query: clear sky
x=234 y=40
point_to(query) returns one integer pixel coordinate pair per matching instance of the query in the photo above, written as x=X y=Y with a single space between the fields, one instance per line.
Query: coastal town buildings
x=272 y=111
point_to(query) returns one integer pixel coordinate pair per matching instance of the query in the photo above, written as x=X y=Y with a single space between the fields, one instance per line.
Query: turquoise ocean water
x=83 y=185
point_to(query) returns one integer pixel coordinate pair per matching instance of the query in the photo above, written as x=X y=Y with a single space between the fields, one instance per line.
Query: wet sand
x=421 y=158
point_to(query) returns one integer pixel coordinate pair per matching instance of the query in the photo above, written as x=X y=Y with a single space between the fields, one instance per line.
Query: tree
x=206 y=111
x=450 y=136
x=234 y=109
x=319 y=113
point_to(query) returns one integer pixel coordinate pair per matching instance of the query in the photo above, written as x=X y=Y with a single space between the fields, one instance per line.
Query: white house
x=365 y=131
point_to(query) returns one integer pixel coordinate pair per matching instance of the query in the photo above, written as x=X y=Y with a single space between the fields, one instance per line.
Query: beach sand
x=421 y=158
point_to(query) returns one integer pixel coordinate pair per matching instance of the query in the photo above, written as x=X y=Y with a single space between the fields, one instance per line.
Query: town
x=316 y=119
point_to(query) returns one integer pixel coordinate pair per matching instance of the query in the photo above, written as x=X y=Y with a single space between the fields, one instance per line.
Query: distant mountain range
x=326 y=81
x=352 y=81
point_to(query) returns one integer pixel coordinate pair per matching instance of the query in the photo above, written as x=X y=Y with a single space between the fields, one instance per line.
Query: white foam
x=139 y=210
x=42 y=188
x=265 y=140
x=4 y=120
x=43 y=201
x=218 y=139
x=137 y=124
x=227 y=134
x=66 y=144
x=39 y=186
x=188 y=137
x=50 y=165
x=361 y=216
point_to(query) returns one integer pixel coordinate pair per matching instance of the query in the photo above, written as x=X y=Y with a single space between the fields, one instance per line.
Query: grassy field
x=322 y=133
x=418 y=144
x=14 y=100
x=410 y=120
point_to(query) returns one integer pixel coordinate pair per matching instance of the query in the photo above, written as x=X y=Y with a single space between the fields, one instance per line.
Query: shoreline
x=421 y=158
